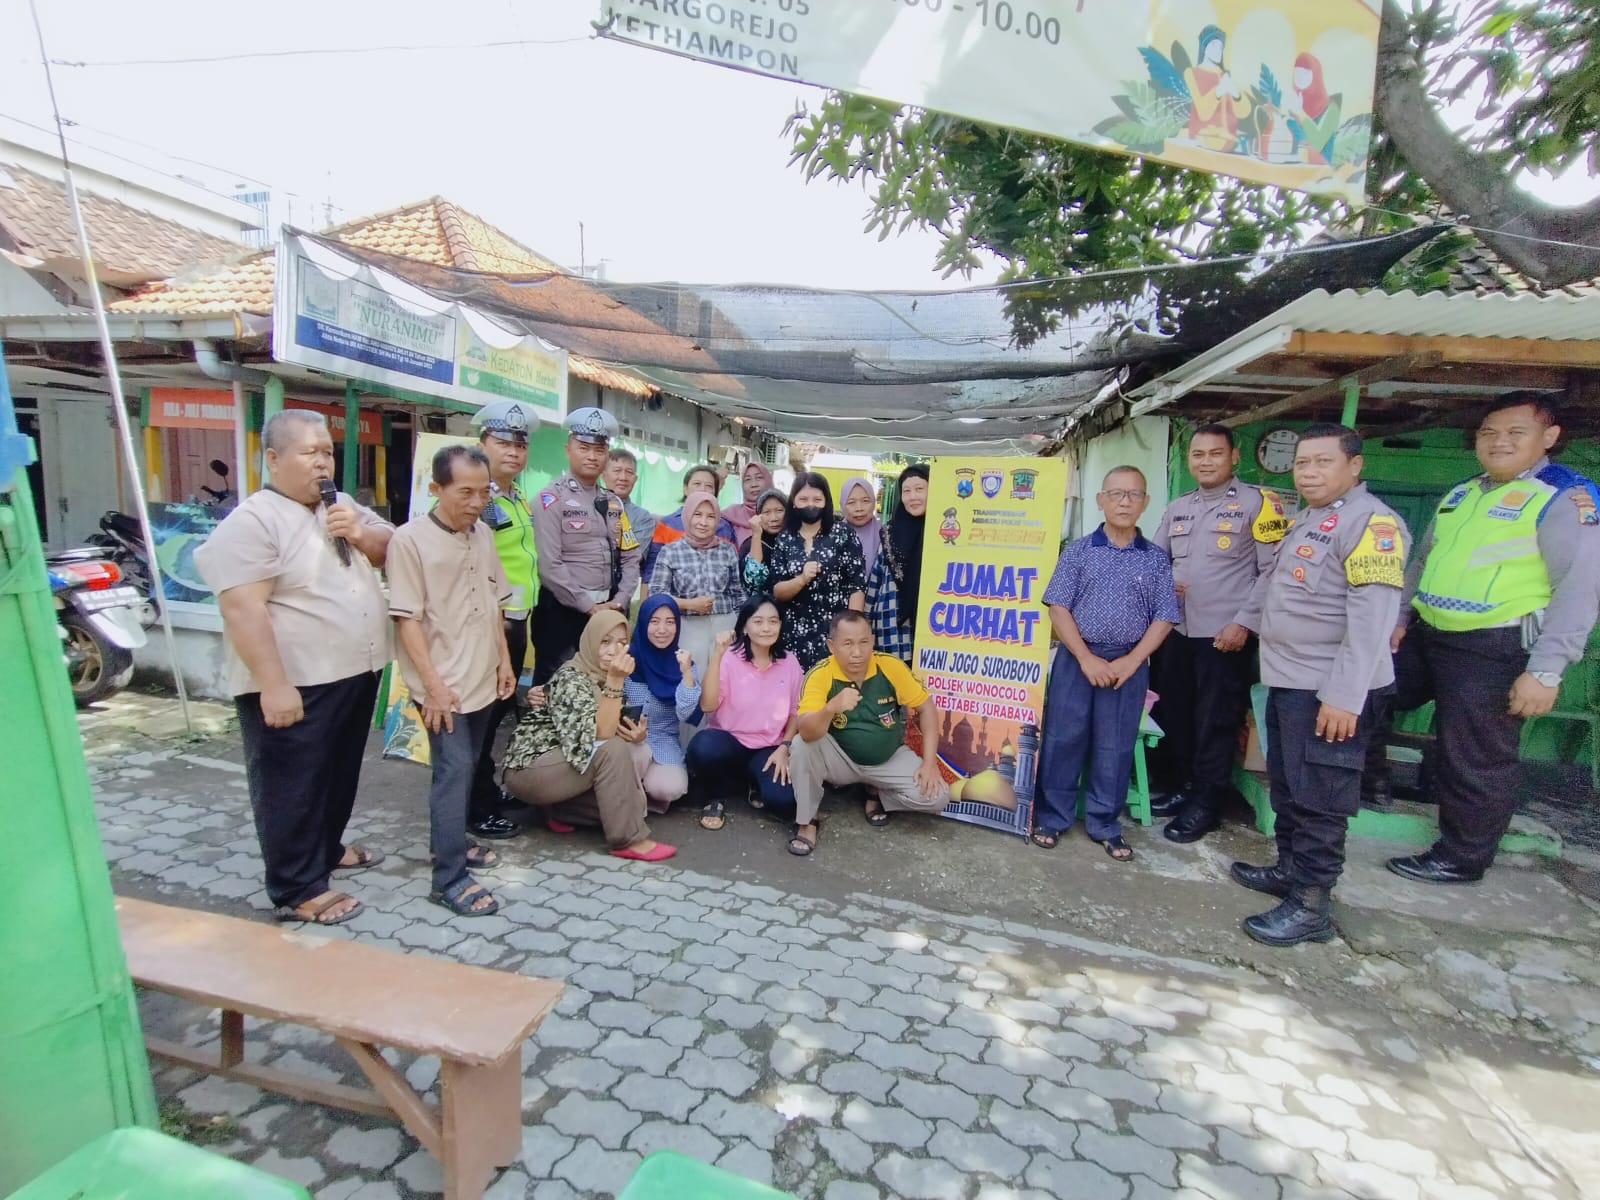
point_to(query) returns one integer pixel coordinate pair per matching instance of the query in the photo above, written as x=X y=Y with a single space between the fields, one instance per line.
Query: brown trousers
x=608 y=794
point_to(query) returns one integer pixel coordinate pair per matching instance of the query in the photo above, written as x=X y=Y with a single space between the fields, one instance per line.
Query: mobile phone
x=632 y=712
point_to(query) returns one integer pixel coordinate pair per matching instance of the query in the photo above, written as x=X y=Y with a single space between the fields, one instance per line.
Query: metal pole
x=118 y=402
x=241 y=462
x=1352 y=402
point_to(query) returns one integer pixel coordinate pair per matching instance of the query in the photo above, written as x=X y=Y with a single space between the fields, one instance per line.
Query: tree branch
x=1473 y=187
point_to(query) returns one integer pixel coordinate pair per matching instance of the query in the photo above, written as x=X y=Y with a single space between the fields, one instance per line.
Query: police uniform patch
x=577 y=526
x=1225 y=526
x=1584 y=503
x=546 y=499
x=1305 y=551
x=625 y=538
x=1378 y=557
x=1178 y=527
x=1329 y=523
x=1224 y=542
x=1454 y=499
x=1270 y=524
x=1299 y=574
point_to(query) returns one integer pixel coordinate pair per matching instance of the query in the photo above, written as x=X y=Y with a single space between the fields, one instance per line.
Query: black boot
x=1273 y=880
x=1164 y=804
x=1198 y=817
x=1304 y=916
x=1375 y=793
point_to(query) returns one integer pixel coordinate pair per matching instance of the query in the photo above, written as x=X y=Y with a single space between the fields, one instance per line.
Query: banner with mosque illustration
x=982 y=637
x=1273 y=91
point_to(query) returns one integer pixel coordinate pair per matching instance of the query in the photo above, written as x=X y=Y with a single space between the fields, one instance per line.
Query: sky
x=674 y=169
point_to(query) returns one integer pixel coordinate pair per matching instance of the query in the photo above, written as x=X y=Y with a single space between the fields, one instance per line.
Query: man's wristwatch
x=1548 y=678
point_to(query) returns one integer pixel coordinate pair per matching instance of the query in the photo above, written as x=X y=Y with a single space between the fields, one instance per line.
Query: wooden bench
x=472 y=1018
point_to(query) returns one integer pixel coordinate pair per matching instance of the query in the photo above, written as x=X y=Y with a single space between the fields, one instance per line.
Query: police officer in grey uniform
x=1222 y=536
x=588 y=555
x=1324 y=614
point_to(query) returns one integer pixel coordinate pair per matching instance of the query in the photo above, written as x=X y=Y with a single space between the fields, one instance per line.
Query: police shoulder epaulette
x=1585 y=495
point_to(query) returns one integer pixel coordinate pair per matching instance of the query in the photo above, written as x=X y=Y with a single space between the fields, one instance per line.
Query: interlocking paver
x=869 y=1048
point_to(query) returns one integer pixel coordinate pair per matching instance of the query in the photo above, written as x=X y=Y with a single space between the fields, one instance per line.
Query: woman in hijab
x=859 y=503
x=573 y=755
x=892 y=585
x=700 y=571
x=771 y=508
x=755 y=480
x=663 y=689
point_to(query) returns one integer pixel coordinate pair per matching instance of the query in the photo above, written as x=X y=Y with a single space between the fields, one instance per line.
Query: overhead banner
x=982 y=637
x=1273 y=91
x=343 y=316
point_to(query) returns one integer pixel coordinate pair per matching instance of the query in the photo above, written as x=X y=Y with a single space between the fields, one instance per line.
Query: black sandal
x=1117 y=849
x=713 y=816
x=877 y=816
x=461 y=895
x=1044 y=839
x=481 y=858
x=799 y=844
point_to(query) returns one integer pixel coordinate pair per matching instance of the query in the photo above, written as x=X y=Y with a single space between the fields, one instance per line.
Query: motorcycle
x=99 y=615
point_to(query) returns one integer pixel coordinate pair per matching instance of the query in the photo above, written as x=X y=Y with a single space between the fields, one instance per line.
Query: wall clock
x=1275 y=451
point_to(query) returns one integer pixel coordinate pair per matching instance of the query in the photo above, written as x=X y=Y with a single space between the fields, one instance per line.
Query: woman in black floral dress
x=815 y=569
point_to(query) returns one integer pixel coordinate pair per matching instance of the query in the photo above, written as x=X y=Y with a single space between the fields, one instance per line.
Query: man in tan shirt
x=307 y=634
x=446 y=586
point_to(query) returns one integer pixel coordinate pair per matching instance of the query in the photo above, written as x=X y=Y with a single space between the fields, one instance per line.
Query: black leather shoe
x=1196 y=819
x=1271 y=880
x=1432 y=867
x=1165 y=804
x=1304 y=916
x=1376 y=794
x=495 y=828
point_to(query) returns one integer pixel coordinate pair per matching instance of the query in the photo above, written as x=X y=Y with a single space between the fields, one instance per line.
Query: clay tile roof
x=435 y=231
x=130 y=246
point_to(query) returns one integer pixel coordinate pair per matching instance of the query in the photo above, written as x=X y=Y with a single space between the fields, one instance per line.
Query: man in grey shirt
x=1505 y=591
x=1222 y=537
x=1323 y=614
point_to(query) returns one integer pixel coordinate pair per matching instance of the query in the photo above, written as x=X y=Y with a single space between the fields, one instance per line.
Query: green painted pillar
x=72 y=1059
x=1352 y=402
x=352 y=439
x=271 y=406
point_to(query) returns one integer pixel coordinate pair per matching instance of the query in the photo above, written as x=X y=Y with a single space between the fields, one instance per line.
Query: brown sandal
x=365 y=857
x=311 y=911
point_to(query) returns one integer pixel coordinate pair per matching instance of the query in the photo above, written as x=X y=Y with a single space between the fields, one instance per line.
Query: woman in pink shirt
x=750 y=693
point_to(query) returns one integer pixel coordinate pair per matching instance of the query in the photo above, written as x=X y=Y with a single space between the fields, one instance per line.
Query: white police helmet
x=592 y=425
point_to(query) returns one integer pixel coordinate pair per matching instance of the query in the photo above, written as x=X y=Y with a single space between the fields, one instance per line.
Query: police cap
x=506 y=420
x=593 y=425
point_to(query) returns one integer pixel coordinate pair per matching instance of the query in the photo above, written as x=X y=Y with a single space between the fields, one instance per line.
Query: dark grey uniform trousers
x=1316 y=786
x=1204 y=695
x=1474 y=766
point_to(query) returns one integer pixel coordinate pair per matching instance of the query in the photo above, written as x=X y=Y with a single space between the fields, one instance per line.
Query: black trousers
x=555 y=630
x=1316 y=786
x=485 y=797
x=1475 y=769
x=303 y=782
x=1205 y=693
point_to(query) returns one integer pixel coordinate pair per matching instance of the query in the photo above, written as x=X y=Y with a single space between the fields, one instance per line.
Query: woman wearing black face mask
x=814 y=569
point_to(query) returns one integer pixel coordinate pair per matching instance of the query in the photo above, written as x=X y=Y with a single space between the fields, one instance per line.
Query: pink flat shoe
x=661 y=851
x=560 y=827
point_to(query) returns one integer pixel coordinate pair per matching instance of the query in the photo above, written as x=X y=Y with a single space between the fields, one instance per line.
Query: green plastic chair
x=1550 y=738
x=140 y=1164
x=668 y=1175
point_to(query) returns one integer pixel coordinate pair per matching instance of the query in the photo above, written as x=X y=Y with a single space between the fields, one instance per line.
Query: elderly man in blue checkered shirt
x=1111 y=603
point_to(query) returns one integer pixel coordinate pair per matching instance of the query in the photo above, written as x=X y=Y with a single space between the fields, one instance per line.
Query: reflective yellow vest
x=514 y=544
x=1484 y=568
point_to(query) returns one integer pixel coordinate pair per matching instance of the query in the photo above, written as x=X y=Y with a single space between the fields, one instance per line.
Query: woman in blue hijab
x=664 y=688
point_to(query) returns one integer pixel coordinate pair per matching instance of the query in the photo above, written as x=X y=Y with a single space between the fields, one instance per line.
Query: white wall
x=23 y=296
x=1140 y=443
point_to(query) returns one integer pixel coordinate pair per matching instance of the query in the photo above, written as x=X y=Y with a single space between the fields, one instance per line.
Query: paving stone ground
x=851 y=1045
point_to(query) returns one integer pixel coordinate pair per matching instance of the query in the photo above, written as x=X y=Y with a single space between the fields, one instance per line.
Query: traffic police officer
x=1222 y=537
x=1324 y=614
x=503 y=435
x=588 y=555
x=1506 y=593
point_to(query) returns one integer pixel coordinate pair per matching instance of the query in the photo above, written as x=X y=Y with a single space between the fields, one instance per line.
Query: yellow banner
x=982 y=637
x=1274 y=91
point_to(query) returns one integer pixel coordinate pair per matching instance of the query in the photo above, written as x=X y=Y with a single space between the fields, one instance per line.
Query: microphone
x=330 y=496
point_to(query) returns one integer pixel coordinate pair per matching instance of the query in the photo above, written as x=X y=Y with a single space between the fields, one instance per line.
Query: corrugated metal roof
x=1403 y=314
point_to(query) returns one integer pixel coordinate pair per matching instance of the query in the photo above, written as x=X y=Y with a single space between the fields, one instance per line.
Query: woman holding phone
x=572 y=756
x=815 y=569
x=661 y=692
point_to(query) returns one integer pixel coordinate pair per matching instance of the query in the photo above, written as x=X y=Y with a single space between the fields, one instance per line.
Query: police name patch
x=1379 y=557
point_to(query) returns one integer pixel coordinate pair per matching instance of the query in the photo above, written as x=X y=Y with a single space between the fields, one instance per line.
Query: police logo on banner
x=964 y=481
x=991 y=482
x=1022 y=484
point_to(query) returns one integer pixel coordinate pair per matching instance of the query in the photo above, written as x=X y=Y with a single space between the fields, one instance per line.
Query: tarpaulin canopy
x=908 y=371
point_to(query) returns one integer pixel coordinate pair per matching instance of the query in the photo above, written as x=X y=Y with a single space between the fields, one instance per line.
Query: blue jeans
x=722 y=767
x=455 y=760
x=1084 y=723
